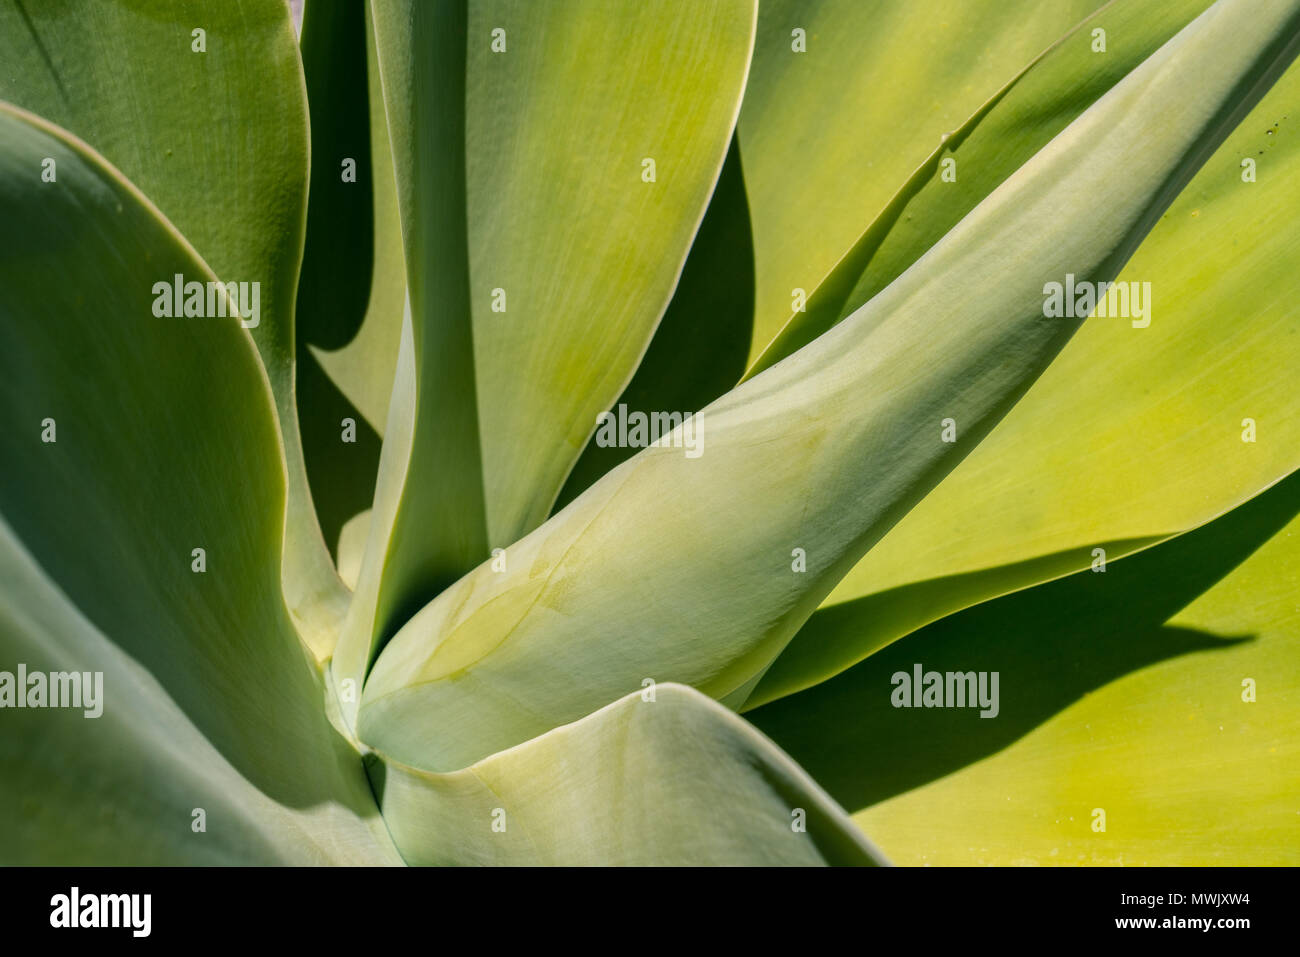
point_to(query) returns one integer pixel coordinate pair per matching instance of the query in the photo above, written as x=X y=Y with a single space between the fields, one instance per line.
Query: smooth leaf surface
x=353 y=286
x=1120 y=691
x=1014 y=124
x=699 y=349
x=218 y=141
x=122 y=788
x=823 y=453
x=164 y=442
x=1132 y=435
x=976 y=157
x=828 y=135
x=552 y=130
x=428 y=521
x=677 y=780
x=559 y=131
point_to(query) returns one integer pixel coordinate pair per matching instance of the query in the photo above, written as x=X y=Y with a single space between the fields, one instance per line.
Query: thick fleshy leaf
x=1124 y=692
x=353 y=285
x=1159 y=412
x=424 y=531
x=975 y=158
x=131 y=443
x=523 y=332
x=339 y=253
x=138 y=783
x=568 y=144
x=660 y=777
x=716 y=291
x=699 y=569
x=828 y=135
x=217 y=139
x=698 y=352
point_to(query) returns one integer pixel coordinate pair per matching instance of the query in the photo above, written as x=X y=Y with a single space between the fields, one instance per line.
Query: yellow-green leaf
x=700 y=569
x=1132 y=435
x=615 y=128
x=1155 y=700
x=829 y=134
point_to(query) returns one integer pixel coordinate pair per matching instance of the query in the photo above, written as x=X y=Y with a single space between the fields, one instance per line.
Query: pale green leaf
x=660 y=777
x=163 y=441
x=828 y=135
x=698 y=352
x=680 y=569
x=540 y=150
x=123 y=788
x=218 y=140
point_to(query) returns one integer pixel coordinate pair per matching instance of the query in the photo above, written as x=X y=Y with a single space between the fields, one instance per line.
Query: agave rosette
x=506 y=432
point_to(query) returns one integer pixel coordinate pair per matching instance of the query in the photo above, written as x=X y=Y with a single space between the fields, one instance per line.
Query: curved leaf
x=126 y=787
x=353 y=285
x=1158 y=411
x=698 y=352
x=974 y=159
x=131 y=441
x=1124 y=692
x=676 y=780
x=680 y=569
x=553 y=129
x=218 y=140
x=906 y=74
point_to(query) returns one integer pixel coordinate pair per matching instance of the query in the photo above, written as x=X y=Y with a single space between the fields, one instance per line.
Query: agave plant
x=649 y=402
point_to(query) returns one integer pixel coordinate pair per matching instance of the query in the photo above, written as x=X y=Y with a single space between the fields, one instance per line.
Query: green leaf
x=680 y=569
x=339 y=252
x=353 y=286
x=1121 y=691
x=552 y=130
x=123 y=788
x=677 y=780
x=975 y=158
x=828 y=135
x=130 y=441
x=362 y=367
x=698 y=352
x=218 y=140
x=1159 y=412
x=559 y=129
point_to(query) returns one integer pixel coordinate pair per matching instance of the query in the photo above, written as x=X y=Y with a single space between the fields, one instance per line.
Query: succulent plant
x=661 y=431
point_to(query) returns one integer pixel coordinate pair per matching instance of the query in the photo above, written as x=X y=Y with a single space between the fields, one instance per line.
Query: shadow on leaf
x=342 y=474
x=338 y=262
x=1051 y=645
x=699 y=349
